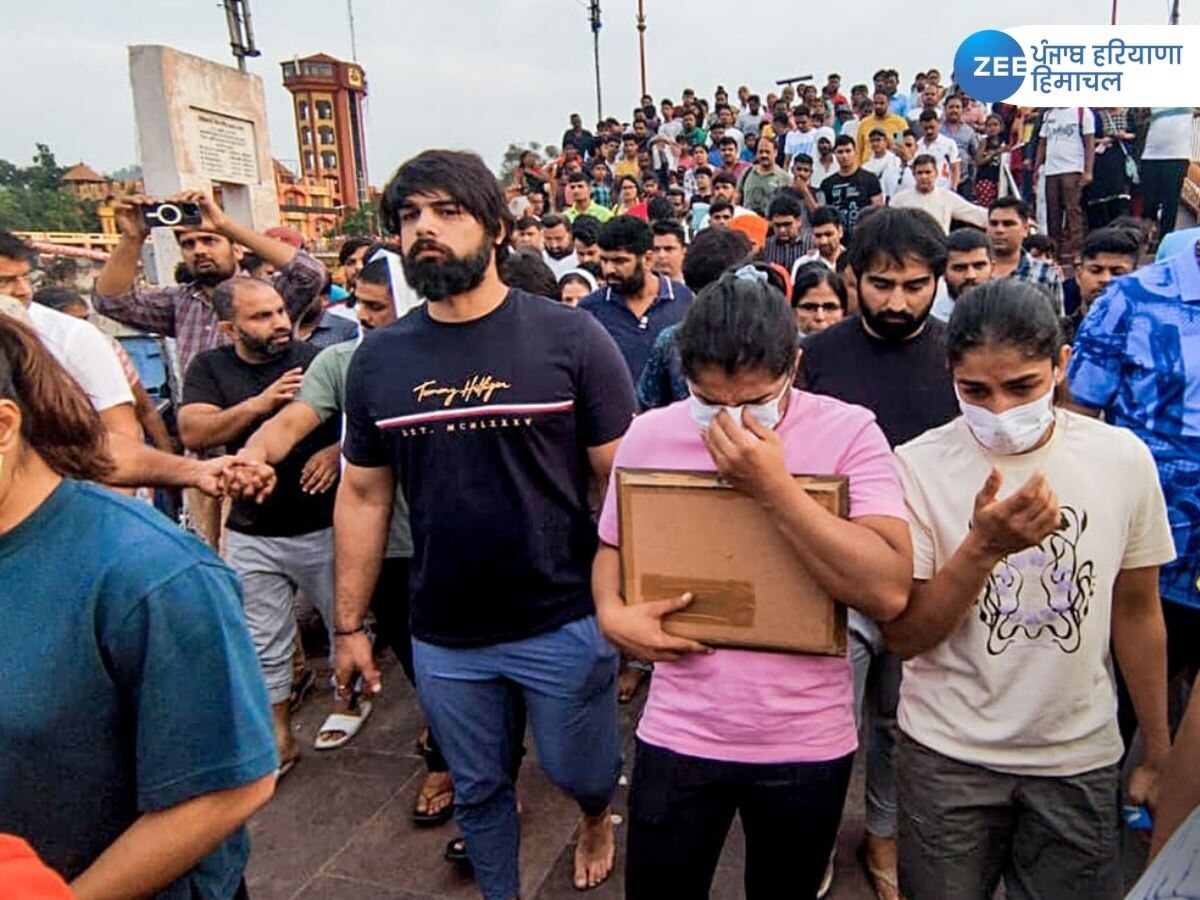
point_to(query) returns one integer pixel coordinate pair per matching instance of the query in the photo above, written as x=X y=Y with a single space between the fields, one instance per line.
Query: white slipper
x=346 y=723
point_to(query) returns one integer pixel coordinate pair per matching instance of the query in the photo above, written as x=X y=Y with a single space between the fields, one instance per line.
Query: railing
x=1190 y=196
x=70 y=238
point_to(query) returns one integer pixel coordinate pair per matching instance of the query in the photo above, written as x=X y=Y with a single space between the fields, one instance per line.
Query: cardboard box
x=689 y=531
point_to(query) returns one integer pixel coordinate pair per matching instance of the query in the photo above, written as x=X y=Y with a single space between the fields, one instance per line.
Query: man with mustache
x=211 y=253
x=635 y=304
x=286 y=542
x=496 y=412
x=891 y=359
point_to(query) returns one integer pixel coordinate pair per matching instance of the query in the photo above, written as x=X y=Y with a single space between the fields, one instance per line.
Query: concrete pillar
x=200 y=124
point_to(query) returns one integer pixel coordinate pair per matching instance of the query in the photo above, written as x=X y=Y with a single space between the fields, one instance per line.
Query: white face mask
x=1014 y=430
x=766 y=414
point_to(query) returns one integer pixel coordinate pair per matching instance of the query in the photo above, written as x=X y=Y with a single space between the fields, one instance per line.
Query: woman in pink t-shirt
x=769 y=736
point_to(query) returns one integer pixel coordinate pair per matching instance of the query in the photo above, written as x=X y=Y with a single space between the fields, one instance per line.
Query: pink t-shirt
x=746 y=705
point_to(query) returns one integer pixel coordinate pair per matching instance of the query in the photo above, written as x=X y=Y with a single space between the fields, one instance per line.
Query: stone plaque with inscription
x=224 y=147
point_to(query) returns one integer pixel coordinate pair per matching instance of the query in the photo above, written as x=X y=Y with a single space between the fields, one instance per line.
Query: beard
x=437 y=279
x=559 y=254
x=210 y=275
x=264 y=348
x=894 y=327
x=956 y=291
x=628 y=287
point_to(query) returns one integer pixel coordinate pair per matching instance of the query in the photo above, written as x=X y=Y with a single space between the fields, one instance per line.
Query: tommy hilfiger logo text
x=477 y=387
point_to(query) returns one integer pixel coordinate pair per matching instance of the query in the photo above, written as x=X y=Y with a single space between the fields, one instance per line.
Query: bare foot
x=881 y=863
x=629 y=679
x=285 y=743
x=596 y=851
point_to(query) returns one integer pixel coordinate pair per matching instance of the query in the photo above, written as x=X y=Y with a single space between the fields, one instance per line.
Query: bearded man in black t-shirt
x=497 y=411
x=890 y=358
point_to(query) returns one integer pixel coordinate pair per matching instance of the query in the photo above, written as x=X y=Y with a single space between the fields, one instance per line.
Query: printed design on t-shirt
x=1060 y=130
x=477 y=387
x=1042 y=593
x=480 y=415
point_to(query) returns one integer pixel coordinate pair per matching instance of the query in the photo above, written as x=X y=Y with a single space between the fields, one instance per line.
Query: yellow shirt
x=894 y=125
x=627 y=167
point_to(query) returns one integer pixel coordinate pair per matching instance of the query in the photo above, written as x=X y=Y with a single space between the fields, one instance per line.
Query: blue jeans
x=568 y=679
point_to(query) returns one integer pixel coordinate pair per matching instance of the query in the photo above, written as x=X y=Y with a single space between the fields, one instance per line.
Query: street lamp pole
x=594 y=12
x=641 y=27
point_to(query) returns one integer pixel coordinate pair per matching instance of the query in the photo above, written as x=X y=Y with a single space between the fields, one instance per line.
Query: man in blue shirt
x=1137 y=359
x=1175 y=241
x=897 y=100
x=635 y=304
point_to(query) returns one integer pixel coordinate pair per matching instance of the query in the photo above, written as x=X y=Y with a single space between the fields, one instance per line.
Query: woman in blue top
x=135 y=734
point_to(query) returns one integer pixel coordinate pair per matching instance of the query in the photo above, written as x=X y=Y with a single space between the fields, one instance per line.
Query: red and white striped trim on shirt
x=470 y=412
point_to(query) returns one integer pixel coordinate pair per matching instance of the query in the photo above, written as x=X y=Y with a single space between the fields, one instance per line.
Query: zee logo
x=1000 y=66
x=990 y=66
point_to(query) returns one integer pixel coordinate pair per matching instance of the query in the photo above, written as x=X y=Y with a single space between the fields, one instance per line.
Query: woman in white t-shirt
x=1008 y=761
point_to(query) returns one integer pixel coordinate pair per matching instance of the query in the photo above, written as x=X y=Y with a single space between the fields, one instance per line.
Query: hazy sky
x=477 y=74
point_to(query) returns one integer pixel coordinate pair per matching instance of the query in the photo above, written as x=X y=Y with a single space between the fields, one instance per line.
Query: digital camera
x=171 y=215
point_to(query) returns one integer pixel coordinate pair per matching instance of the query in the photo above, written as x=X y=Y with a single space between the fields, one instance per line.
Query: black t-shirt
x=581 y=141
x=487 y=425
x=907 y=384
x=849 y=195
x=221 y=378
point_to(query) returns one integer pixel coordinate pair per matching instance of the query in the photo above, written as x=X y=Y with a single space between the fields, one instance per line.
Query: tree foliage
x=131 y=172
x=512 y=158
x=33 y=198
x=361 y=222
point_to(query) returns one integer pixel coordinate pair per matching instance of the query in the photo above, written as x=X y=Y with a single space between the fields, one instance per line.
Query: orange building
x=327 y=97
x=305 y=204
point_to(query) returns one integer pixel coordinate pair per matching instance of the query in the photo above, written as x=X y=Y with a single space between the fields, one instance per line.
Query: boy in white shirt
x=943 y=149
x=1065 y=154
x=883 y=164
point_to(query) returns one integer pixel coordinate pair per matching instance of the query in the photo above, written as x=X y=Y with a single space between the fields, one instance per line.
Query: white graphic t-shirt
x=1061 y=128
x=1024 y=684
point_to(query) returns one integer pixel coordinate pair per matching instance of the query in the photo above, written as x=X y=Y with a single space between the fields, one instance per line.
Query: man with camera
x=212 y=245
x=212 y=250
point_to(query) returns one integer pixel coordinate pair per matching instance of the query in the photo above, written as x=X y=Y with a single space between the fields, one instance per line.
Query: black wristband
x=339 y=633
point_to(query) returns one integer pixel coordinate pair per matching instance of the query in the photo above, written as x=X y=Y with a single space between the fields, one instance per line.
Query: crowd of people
x=807 y=285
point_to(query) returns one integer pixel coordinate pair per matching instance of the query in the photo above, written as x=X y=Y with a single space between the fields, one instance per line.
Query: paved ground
x=339 y=826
